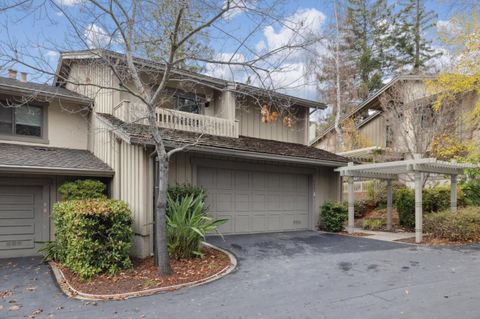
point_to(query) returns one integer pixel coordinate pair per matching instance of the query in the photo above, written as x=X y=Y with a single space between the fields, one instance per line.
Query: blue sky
x=49 y=24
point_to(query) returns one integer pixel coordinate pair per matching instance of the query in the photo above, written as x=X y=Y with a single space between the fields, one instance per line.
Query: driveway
x=284 y=275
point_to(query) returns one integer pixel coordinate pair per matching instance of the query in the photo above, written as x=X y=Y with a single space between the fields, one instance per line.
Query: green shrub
x=433 y=200
x=187 y=225
x=333 y=215
x=377 y=193
x=180 y=191
x=82 y=189
x=362 y=207
x=405 y=204
x=374 y=223
x=92 y=236
x=471 y=190
x=464 y=225
x=437 y=198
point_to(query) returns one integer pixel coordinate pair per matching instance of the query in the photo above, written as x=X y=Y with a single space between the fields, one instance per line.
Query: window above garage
x=25 y=122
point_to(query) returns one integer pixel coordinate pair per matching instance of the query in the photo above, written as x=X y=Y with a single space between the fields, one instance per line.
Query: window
x=25 y=120
x=184 y=101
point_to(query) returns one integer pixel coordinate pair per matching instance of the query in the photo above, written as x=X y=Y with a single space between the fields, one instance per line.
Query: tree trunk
x=338 y=116
x=416 y=65
x=162 y=259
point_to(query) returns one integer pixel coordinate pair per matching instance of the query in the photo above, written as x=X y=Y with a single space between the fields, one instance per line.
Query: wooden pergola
x=390 y=171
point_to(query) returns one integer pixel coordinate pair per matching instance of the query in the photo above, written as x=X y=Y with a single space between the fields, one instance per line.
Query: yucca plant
x=187 y=225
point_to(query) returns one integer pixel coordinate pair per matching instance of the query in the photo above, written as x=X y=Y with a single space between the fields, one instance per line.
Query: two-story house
x=392 y=137
x=262 y=177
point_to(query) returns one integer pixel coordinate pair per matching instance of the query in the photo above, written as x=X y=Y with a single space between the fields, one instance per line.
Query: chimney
x=23 y=76
x=12 y=74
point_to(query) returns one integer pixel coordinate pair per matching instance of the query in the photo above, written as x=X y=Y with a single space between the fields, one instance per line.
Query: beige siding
x=328 y=142
x=67 y=127
x=133 y=180
x=250 y=124
x=180 y=171
x=375 y=131
x=326 y=188
x=99 y=77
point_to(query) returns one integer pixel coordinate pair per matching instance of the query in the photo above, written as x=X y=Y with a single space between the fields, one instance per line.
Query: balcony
x=177 y=120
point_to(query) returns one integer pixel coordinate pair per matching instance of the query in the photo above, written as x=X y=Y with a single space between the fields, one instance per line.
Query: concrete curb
x=74 y=293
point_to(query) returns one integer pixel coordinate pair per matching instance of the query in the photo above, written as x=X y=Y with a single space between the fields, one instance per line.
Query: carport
x=391 y=171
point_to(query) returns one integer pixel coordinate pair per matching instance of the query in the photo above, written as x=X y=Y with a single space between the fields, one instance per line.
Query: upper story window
x=184 y=101
x=24 y=120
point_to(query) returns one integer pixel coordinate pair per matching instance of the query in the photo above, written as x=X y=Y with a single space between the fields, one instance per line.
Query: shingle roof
x=139 y=134
x=51 y=159
x=41 y=89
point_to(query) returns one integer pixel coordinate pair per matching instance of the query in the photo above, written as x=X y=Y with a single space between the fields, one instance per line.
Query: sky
x=33 y=29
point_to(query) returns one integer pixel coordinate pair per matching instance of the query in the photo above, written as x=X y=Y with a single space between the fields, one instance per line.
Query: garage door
x=256 y=201
x=22 y=223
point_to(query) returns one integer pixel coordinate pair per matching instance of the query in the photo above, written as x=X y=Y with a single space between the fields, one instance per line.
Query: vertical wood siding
x=250 y=124
x=375 y=131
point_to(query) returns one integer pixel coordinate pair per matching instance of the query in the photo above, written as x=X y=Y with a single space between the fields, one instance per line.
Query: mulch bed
x=356 y=234
x=432 y=241
x=144 y=274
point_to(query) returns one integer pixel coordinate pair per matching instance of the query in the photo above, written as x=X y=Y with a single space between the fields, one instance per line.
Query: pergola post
x=389 y=204
x=418 y=208
x=453 y=193
x=351 y=204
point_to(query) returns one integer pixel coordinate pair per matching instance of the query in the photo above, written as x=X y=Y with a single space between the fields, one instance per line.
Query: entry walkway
x=384 y=235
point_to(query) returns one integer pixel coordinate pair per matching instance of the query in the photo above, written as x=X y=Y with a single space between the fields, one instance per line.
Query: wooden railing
x=177 y=120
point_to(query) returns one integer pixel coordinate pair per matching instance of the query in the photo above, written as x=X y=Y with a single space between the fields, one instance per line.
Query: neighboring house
x=384 y=143
x=263 y=177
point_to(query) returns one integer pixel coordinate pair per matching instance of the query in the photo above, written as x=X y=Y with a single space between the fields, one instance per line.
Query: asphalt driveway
x=283 y=275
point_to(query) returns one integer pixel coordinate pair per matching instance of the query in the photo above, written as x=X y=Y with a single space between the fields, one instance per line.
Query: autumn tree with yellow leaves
x=460 y=81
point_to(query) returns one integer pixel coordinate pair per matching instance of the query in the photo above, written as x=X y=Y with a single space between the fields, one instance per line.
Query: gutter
x=264 y=156
x=56 y=170
x=16 y=90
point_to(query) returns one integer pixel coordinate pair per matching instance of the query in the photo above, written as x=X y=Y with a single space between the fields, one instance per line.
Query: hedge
x=433 y=200
x=333 y=215
x=92 y=236
x=464 y=225
x=82 y=189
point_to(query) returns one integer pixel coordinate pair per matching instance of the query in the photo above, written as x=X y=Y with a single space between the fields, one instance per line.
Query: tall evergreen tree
x=412 y=48
x=367 y=24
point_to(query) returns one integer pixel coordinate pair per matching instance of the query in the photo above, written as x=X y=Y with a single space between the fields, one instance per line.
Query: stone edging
x=74 y=293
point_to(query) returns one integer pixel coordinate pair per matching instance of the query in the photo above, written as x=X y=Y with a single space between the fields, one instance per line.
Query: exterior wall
x=328 y=143
x=67 y=127
x=250 y=124
x=375 y=131
x=326 y=184
x=132 y=183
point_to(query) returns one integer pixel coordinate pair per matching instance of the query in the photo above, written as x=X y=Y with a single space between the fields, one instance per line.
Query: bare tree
x=412 y=122
x=335 y=71
x=160 y=42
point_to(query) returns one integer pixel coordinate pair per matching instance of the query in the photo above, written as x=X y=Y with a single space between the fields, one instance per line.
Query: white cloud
x=303 y=24
x=52 y=54
x=289 y=72
x=446 y=26
x=68 y=3
x=229 y=72
x=441 y=62
x=96 y=36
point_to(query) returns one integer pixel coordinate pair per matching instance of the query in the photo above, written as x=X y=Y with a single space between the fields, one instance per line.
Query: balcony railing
x=177 y=120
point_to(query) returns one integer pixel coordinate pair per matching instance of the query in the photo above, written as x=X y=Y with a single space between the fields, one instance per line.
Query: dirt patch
x=144 y=274
x=432 y=241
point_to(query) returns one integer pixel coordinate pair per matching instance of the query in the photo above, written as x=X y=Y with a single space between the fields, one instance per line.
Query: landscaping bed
x=144 y=276
x=429 y=240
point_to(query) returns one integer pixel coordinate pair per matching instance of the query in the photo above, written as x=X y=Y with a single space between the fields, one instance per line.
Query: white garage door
x=256 y=201
x=22 y=224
